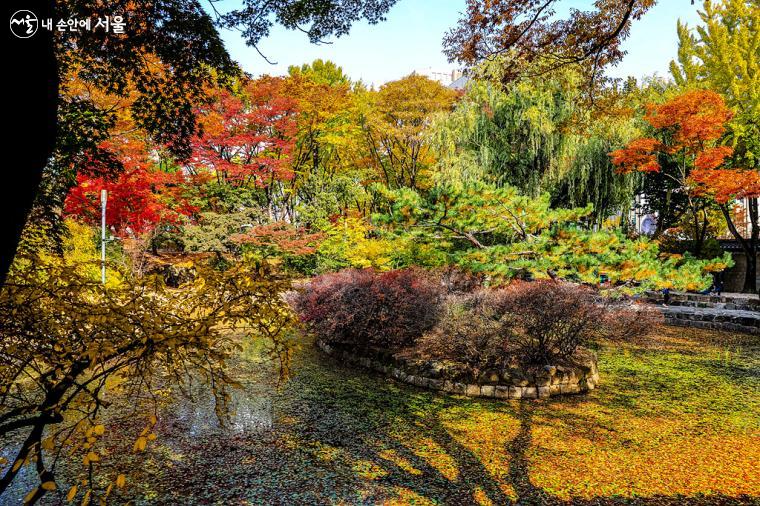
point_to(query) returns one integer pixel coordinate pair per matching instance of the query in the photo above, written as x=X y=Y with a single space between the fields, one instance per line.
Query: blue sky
x=410 y=39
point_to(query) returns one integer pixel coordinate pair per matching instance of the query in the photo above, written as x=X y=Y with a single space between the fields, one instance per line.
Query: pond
x=674 y=419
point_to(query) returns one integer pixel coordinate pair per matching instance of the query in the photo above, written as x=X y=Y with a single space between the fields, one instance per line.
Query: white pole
x=103 y=198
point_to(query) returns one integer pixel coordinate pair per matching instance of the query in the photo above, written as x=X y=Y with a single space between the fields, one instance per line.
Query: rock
x=544 y=392
x=487 y=390
x=554 y=389
x=543 y=379
x=518 y=378
x=569 y=388
x=435 y=369
x=472 y=390
x=530 y=393
x=176 y=275
x=501 y=392
x=488 y=377
x=417 y=381
x=515 y=392
x=552 y=370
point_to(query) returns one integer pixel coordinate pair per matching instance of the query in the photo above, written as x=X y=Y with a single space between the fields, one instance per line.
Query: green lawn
x=676 y=416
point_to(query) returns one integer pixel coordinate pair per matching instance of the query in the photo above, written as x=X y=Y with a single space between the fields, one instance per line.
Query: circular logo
x=24 y=24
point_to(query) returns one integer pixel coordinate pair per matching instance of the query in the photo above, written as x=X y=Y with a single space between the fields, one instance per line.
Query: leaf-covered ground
x=675 y=421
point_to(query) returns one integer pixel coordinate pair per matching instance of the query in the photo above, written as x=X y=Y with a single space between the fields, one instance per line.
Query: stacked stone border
x=713 y=321
x=552 y=381
x=728 y=313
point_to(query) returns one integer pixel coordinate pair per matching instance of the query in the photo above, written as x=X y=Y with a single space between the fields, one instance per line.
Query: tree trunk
x=749 y=246
x=33 y=103
x=750 y=280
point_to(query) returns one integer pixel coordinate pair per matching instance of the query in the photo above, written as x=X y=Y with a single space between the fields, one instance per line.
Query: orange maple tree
x=686 y=148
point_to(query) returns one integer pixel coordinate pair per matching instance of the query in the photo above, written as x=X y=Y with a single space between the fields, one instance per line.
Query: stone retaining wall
x=740 y=302
x=551 y=381
x=714 y=319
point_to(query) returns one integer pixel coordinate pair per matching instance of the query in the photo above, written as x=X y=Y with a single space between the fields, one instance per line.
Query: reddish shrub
x=534 y=323
x=474 y=329
x=625 y=321
x=551 y=319
x=362 y=308
x=456 y=280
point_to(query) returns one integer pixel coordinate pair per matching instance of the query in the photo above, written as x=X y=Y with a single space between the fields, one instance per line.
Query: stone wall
x=733 y=279
x=550 y=381
x=733 y=313
x=715 y=319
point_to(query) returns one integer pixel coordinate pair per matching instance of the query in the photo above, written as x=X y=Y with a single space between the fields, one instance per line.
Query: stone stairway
x=730 y=312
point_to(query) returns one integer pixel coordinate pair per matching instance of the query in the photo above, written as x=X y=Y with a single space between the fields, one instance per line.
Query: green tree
x=533 y=135
x=503 y=234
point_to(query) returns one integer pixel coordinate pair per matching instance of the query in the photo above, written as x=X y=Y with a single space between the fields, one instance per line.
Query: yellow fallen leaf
x=140 y=444
x=49 y=485
x=28 y=497
x=120 y=480
x=72 y=493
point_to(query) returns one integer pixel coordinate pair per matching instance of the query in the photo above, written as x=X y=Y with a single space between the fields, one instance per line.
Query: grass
x=676 y=420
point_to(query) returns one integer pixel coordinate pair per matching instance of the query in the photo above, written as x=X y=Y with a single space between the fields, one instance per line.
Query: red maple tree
x=140 y=197
x=247 y=138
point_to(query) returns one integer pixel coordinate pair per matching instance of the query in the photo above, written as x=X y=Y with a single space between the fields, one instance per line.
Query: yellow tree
x=327 y=150
x=63 y=337
x=395 y=119
x=722 y=55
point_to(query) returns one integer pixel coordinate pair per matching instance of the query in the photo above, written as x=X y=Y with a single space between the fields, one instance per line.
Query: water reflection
x=250 y=407
x=249 y=412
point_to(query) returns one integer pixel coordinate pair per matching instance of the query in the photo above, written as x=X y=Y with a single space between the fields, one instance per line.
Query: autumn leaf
x=72 y=493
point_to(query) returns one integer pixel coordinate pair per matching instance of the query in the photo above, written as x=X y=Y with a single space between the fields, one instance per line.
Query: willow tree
x=534 y=136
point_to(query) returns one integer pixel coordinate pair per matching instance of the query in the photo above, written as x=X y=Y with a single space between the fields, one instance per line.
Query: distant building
x=444 y=77
x=460 y=83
